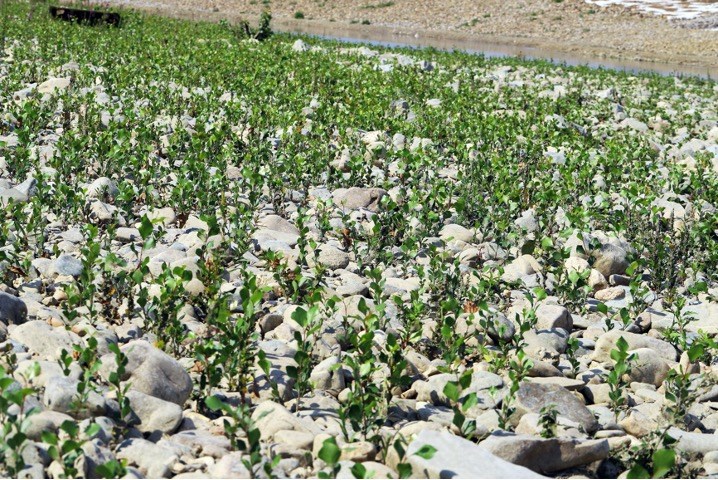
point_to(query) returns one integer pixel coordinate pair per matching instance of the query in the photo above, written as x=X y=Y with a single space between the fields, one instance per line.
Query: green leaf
x=93 y=430
x=70 y=427
x=330 y=451
x=214 y=403
x=404 y=470
x=459 y=419
x=695 y=352
x=451 y=390
x=528 y=247
x=663 y=462
x=145 y=227
x=469 y=401
x=300 y=316
x=426 y=452
x=49 y=437
x=359 y=471
x=638 y=472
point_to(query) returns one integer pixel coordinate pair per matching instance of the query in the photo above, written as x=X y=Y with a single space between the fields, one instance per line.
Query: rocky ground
x=433 y=303
x=568 y=27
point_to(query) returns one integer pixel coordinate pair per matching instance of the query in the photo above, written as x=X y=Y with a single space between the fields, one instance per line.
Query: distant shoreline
x=650 y=43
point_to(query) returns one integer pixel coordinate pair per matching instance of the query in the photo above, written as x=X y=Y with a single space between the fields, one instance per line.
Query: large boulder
x=648 y=367
x=545 y=455
x=61 y=396
x=549 y=317
x=486 y=385
x=153 y=461
x=151 y=371
x=607 y=342
x=532 y=397
x=12 y=309
x=154 y=414
x=53 y=85
x=355 y=197
x=692 y=442
x=610 y=260
x=44 y=340
x=456 y=457
x=271 y=417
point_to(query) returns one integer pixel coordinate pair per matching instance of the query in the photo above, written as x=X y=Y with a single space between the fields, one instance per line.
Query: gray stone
x=610 y=260
x=519 y=268
x=127 y=234
x=545 y=455
x=694 y=442
x=101 y=212
x=545 y=344
x=53 y=85
x=203 y=443
x=48 y=369
x=164 y=216
x=61 y=396
x=500 y=328
x=567 y=383
x=102 y=187
x=373 y=469
x=642 y=420
x=45 y=421
x=532 y=397
x=230 y=466
x=12 y=195
x=67 y=265
x=12 y=309
x=607 y=342
x=648 y=367
x=332 y=258
x=94 y=456
x=356 y=197
x=399 y=286
x=456 y=457
x=487 y=387
x=271 y=417
x=278 y=224
x=298 y=46
x=553 y=316
x=154 y=461
x=151 y=371
x=154 y=413
x=325 y=376
x=44 y=340
x=457 y=232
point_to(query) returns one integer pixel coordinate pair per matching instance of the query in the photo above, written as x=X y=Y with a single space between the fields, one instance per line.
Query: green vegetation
x=362 y=237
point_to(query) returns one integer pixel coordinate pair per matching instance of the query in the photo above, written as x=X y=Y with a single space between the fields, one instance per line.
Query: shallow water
x=678 y=9
x=390 y=38
x=496 y=50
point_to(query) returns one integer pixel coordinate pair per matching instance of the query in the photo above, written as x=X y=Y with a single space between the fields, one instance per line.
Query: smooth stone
x=355 y=197
x=456 y=457
x=151 y=371
x=532 y=397
x=154 y=413
x=153 y=460
x=44 y=340
x=607 y=342
x=694 y=442
x=68 y=265
x=12 y=309
x=545 y=455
